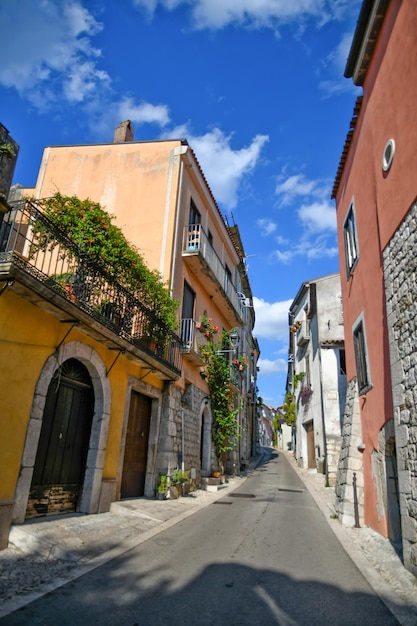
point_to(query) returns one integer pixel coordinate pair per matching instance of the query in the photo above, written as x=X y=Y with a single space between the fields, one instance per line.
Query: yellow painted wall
x=28 y=337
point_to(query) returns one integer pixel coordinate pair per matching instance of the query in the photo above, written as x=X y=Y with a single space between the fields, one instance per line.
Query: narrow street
x=263 y=554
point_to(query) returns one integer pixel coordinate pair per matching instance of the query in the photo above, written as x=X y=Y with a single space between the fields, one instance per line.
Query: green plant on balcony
x=294 y=328
x=241 y=363
x=91 y=228
x=207 y=327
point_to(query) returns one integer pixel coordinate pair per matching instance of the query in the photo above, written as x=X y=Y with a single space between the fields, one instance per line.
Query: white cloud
x=316 y=248
x=143 y=112
x=223 y=166
x=49 y=42
x=266 y=226
x=216 y=14
x=318 y=217
x=313 y=216
x=271 y=319
x=270 y=368
x=336 y=62
x=289 y=188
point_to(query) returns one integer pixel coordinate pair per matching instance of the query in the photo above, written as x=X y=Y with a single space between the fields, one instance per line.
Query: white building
x=316 y=374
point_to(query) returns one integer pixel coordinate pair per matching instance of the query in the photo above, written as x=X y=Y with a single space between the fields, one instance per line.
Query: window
x=227 y=279
x=342 y=362
x=187 y=324
x=195 y=217
x=351 y=245
x=361 y=358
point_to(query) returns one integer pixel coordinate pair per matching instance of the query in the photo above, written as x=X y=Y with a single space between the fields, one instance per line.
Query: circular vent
x=388 y=155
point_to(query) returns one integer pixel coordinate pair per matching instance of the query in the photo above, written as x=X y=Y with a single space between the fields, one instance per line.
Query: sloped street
x=262 y=553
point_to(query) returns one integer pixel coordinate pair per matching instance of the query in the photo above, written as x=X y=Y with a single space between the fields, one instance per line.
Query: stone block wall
x=180 y=431
x=400 y=272
x=350 y=461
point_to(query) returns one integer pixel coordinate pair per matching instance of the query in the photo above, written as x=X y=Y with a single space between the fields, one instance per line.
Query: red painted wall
x=381 y=199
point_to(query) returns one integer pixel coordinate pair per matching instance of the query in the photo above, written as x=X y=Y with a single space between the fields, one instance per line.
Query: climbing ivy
x=289 y=408
x=91 y=228
x=225 y=428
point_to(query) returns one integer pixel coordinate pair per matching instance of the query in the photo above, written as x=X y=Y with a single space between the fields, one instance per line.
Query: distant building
x=267 y=433
x=375 y=192
x=316 y=373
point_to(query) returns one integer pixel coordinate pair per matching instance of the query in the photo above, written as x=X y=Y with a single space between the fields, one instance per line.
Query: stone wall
x=400 y=269
x=350 y=461
x=180 y=430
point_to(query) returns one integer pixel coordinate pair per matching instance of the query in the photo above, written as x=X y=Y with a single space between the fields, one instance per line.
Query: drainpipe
x=323 y=420
x=182 y=440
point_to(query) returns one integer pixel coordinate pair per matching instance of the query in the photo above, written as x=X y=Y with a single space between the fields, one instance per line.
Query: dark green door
x=63 y=444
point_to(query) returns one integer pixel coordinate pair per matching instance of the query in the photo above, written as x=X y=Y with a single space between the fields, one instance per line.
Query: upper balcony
x=42 y=265
x=303 y=334
x=203 y=260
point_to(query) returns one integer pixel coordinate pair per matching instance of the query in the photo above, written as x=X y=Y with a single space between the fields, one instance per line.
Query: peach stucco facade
x=148 y=187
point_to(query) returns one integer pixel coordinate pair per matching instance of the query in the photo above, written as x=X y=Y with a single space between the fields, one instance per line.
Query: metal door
x=136 y=446
x=63 y=443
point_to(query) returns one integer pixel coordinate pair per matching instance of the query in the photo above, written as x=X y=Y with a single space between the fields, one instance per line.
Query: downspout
x=177 y=153
x=323 y=420
x=182 y=440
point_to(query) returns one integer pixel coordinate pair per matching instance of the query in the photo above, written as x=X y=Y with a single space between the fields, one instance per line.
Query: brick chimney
x=124 y=132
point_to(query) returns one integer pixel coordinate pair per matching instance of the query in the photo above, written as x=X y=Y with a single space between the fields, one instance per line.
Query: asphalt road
x=261 y=555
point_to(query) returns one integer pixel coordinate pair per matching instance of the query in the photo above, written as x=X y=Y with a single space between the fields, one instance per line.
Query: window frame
x=350 y=239
x=363 y=372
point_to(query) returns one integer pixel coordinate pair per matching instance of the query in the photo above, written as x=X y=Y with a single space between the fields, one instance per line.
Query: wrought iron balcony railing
x=30 y=241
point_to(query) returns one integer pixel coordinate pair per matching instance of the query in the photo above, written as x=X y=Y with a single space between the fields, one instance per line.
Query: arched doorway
x=61 y=456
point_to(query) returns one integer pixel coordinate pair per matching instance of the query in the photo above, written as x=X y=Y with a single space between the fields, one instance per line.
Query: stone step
x=209 y=483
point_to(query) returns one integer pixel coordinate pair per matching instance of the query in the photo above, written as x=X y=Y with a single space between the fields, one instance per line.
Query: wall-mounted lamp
x=234 y=339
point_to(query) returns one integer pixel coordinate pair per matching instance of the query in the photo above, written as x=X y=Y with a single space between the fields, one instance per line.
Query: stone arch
x=90 y=495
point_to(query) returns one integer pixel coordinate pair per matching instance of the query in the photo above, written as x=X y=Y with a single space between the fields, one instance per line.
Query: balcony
x=42 y=265
x=303 y=334
x=191 y=341
x=201 y=257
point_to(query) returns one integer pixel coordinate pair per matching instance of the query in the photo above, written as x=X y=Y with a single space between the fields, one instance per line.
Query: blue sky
x=255 y=86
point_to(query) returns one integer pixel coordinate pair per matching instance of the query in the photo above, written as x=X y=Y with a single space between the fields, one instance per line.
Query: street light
x=234 y=340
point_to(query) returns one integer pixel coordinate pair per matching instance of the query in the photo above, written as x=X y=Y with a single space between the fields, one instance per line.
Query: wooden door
x=63 y=443
x=311 y=449
x=136 y=446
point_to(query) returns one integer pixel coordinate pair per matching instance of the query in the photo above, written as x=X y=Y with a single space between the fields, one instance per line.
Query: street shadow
x=229 y=594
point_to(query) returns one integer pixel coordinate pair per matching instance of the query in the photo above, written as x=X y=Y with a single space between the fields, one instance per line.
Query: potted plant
x=241 y=363
x=207 y=327
x=305 y=394
x=178 y=479
x=162 y=488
